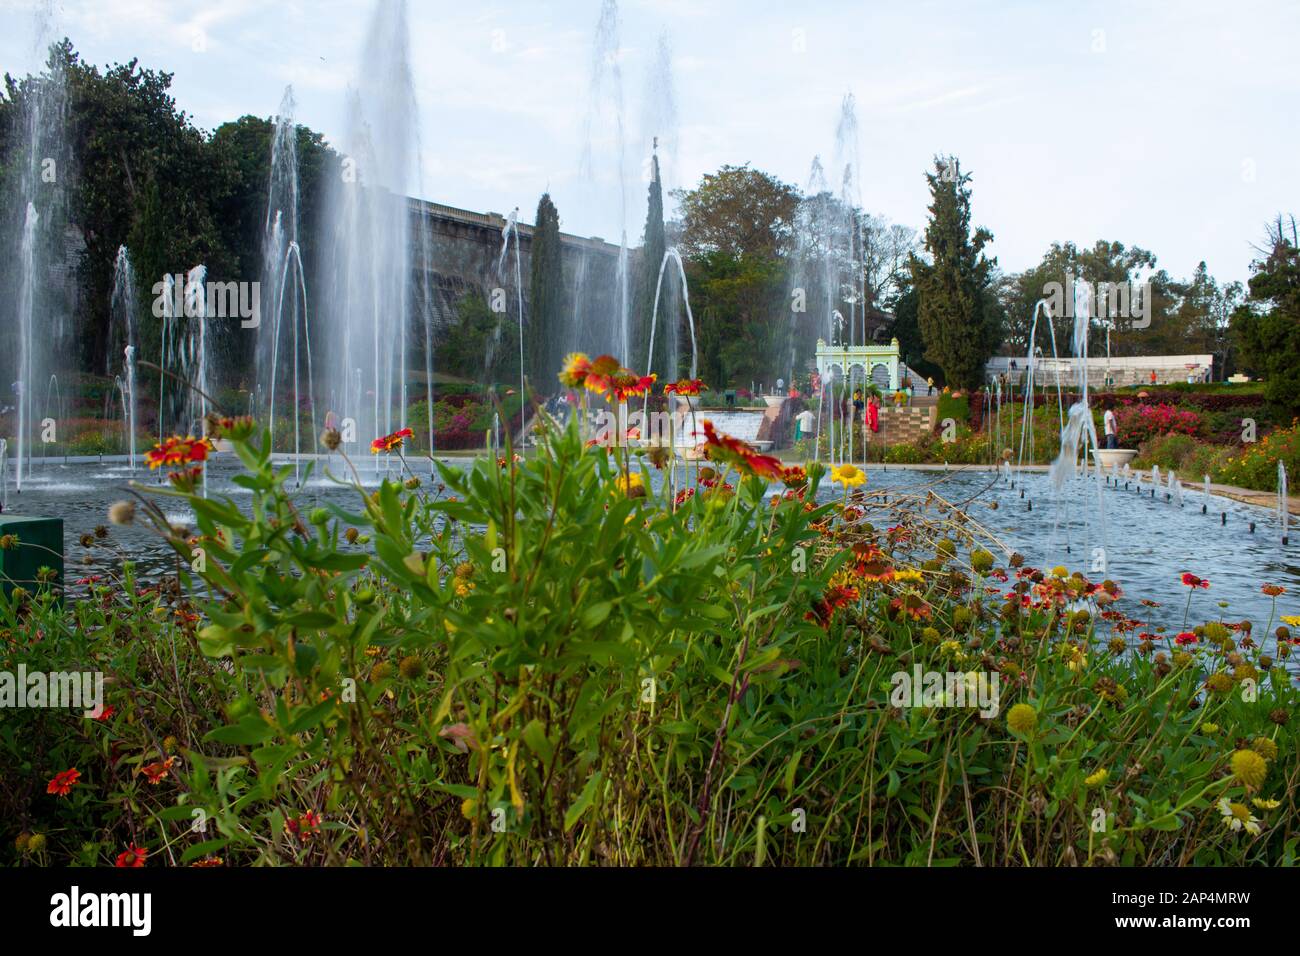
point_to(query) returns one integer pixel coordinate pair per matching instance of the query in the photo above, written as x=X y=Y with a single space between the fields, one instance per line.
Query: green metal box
x=40 y=545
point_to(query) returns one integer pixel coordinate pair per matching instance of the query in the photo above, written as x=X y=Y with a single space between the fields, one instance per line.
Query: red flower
x=1273 y=590
x=685 y=386
x=599 y=377
x=1192 y=581
x=62 y=783
x=1185 y=638
x=179 y=451
x=627 y=385
x=156 y=771
x=305 y=826
x=390 y=442
x=836 y=597
x=744 y=457
x=132 y=857
x=107 y=713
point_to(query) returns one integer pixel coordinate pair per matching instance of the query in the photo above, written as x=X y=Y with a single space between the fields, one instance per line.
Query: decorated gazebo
x=878 y=364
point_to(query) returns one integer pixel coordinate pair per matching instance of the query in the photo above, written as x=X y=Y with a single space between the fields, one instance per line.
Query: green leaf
x=579 y=806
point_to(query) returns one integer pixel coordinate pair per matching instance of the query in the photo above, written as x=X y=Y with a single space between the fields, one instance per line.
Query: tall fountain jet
x=367 y=306
x=603 y=172
x=287 y=333
x=35 y=216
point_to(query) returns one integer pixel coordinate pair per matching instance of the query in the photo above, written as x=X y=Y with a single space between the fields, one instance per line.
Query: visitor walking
x=1110 y=425
x=1153 y=376
x=858 y=404
x=930 y=384
x=873 y=414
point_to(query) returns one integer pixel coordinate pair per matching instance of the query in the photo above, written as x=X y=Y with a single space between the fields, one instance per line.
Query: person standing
x=803 y=424
x=1110 y=424
x=930 y=384
x=873 y=414
x=1153 y=376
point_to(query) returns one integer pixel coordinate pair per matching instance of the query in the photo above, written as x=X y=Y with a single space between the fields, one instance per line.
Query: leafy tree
x=481 y=345
x=1267 y=328
x=737 y=211
x=959 y=316
x=545 y=298
x=740 y=306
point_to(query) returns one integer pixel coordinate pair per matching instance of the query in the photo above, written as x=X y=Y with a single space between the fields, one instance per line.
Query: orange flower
x=1272 y=590
x=733 y=451
x=685 y=386
x=178 y=451
x=390 y=442
x=156 y=771
x=132 y=857
x=62 y=783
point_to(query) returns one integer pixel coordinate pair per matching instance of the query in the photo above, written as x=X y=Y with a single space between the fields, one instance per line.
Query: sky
x=1169 y=125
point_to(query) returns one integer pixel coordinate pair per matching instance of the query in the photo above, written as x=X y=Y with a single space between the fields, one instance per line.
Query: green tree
x=649 y=260
x=958 y=314
x=738 y=211
x=1267 y=328
x=545 y=299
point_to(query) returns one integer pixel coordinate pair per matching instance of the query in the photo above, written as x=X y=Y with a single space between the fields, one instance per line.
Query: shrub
x=1139 y=423
x=1255 y=464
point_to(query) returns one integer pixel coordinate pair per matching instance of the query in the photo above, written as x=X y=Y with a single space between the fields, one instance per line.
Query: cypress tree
x=546 y=297
x=959 y=317
x=652 y=256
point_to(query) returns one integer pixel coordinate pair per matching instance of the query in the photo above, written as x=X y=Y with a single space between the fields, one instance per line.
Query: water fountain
x=1283 y=511
x=673 y=255
x=366 y=308
x=603 y=186
x=56 y=405
x=122 y=306
x=283 y=274
x=511 y=228
x=36 y=214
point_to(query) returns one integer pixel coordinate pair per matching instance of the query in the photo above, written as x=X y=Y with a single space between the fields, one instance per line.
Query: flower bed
x=620 y=671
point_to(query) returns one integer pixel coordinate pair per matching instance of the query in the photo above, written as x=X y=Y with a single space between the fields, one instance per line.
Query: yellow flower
x=1291 y=620
x=1265 y=747
x=1249 y=768
x=1266 y=804
x=631 y=485
x=1210 y=728
x=1097 y=779
x=850 y=476
x=909 y=575
x=1022 y=719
